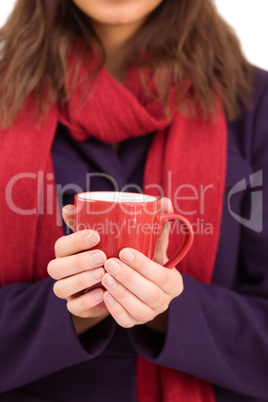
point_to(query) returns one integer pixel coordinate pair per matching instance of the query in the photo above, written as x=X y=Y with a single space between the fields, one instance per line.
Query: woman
x=153 y=96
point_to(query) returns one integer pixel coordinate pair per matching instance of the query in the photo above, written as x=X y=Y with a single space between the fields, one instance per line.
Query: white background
x=247 y=17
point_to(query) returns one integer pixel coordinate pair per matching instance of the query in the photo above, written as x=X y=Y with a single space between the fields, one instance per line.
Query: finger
x=118 y=312
x=136 y=308
x=64 y=267
x=68 y=215
x=167 y=279
x=147 y=291
x=68 y=287
x=87 y=304
x=76 y=242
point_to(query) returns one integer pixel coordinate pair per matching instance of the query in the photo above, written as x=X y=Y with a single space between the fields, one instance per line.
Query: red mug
x=128 y=220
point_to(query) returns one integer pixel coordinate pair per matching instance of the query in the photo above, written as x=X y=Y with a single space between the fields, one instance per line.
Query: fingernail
x=68 y=209
x=110 y=281
x=97 y=296
x=96 y=274
x=109 y=298
x=112 y=266
x=127 y=256
x=92 y=237
x=97 y=259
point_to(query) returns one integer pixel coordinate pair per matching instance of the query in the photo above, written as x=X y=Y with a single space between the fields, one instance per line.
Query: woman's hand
x=140 y=290
x=76 y=268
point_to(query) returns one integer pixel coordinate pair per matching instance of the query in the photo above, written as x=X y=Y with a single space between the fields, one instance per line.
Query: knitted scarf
x=186 y=160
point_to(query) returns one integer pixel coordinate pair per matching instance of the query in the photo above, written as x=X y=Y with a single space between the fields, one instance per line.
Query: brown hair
x=187 y=36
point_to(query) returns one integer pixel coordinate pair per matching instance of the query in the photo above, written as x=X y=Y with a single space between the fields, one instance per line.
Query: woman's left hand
x=140 y=290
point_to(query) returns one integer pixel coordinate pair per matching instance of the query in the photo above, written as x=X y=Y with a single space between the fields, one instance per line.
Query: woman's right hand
x=76 y=269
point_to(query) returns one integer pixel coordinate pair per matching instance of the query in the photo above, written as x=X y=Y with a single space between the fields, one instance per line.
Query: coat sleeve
x=35 y=326
x=216 y=333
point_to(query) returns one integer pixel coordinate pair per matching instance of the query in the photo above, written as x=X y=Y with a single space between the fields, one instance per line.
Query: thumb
x=68 y=215
x=166 y=205
x=160 y=255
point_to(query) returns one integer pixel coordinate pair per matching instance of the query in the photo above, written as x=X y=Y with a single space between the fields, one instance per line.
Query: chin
x=117 y=12
x=118 y=16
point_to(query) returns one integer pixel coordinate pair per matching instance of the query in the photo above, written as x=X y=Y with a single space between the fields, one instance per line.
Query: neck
x=116 y=41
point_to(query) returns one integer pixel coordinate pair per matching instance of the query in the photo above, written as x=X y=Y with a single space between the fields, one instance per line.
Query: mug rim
x=146 y=198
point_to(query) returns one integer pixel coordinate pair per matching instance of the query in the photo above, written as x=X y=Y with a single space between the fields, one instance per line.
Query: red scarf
x=183 y=152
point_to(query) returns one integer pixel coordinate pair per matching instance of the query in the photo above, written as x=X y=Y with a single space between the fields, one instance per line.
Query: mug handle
x=188 y=238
